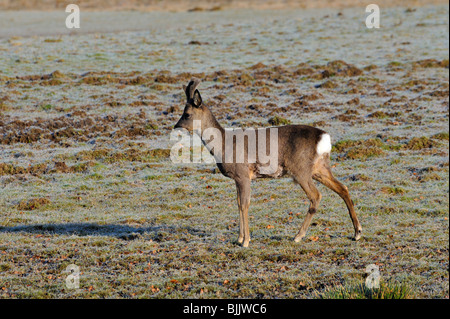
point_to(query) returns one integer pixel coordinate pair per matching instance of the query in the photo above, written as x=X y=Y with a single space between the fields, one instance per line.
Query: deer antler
x=190 y=89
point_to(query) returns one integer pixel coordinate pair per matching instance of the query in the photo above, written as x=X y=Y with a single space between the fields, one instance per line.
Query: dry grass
x=85 y=176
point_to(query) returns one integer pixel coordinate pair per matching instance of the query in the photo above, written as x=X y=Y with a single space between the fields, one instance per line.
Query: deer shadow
x=91 y=229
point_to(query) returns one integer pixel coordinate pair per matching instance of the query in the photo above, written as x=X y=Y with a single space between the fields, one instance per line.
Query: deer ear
x=197 y=99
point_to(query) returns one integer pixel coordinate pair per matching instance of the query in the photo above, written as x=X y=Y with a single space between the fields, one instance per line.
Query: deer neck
x=212 y=123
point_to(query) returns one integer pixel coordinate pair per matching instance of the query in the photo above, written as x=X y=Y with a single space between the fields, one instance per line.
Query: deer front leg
x=243 y=197
x=241 y=226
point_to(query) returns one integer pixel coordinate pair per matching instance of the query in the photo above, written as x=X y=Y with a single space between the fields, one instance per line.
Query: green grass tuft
x=390 y=290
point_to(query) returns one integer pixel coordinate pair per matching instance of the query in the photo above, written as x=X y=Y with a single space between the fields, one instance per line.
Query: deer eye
x=187 y=116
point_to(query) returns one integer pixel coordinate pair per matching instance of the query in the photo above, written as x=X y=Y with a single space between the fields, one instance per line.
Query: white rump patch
x=324 y=145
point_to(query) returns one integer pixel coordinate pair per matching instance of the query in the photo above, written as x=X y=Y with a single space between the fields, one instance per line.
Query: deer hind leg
x=314 y=197
x=322 y=173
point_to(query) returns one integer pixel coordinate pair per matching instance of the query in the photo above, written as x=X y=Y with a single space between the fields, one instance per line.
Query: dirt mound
x=33 y=204
x=75 y=126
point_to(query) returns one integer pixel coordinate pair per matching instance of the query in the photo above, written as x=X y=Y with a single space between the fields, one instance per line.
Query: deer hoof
x=358 y=235
x=240 y=240
x=297 y=239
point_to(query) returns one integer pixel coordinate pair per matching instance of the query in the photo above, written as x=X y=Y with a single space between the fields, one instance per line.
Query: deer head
x=195 y=110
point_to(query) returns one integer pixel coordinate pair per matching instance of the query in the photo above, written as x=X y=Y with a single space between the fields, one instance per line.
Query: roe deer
x=303 y=153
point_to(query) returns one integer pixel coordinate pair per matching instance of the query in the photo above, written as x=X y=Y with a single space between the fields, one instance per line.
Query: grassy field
x=86 y=179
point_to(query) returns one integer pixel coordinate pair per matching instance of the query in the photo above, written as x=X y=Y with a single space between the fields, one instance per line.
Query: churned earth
x=86 y=177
